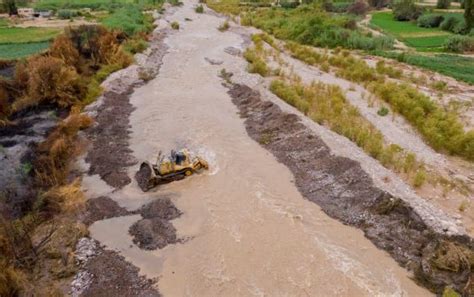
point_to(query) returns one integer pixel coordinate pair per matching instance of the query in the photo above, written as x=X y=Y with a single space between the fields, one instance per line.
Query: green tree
x=10 y=7
x=469 y=14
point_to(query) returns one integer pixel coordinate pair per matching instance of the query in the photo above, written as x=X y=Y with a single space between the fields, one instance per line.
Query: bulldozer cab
x=179 y=158
x=175 y=162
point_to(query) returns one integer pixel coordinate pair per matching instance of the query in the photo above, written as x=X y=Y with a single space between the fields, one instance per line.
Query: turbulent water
x=246 y=229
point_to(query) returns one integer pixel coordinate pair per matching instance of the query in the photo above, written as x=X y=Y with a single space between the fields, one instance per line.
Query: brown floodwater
x=246 y=229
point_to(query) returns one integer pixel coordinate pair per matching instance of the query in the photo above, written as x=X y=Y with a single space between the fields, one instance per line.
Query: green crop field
x=3 y=22
x=21 y=50
x=21 y=42
x=27 y=35
x=409 y=32
x=92 y=4
x=458 y=67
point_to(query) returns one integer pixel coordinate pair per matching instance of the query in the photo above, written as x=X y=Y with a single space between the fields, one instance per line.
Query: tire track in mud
x=345 y=192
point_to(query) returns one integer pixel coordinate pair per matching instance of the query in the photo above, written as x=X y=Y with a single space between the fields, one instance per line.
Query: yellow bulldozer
x=167 y=169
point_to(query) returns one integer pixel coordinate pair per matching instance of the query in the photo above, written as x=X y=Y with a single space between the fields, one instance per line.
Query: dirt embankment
x=345 y=192
x=109 y=155
x=104 y=272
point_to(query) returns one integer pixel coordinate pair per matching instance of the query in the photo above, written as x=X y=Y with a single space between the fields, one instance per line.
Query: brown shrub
x=111 y=52
x=85 y=39
x=63 y=49
x=359 y=7
x=4 y=104
x=64 y=199
x=21 y=76
x=49 y=80
x=11 y=280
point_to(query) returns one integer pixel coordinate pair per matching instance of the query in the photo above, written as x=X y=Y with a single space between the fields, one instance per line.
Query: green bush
x=359 y=7
x=383 y=111
x=199 y=9
x=256 y=64
x=224 y=26
x=406 y=10
x=419 y=178
x=430 y=20
x=459 y=44
x=289 y=4
x=443 y=4
x=65 y=14
x=452 y=23
x=337 y=7
x=175 y=25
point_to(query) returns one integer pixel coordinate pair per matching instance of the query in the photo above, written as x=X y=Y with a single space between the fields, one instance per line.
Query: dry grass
x=55 y=154
x=12 y=281
x=67 y=199
x=64 y=49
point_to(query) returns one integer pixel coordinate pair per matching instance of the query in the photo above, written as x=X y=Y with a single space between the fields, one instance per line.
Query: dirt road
x=244 y=228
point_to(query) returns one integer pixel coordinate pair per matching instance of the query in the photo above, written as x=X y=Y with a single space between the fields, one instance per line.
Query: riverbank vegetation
x=311 y=25
x=36 y=247
x=327 y=105
x=441 y=129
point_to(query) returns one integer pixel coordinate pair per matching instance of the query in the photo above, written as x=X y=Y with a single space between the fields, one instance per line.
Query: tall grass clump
x=441 y=129
x=255 y=56
x=327 y=105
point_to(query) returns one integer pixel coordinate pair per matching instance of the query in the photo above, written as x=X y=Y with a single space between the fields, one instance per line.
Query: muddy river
x=245 y=228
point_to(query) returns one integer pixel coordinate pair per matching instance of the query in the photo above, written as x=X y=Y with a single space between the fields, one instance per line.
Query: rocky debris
x=110 y=155
x=161 y=208
x=86 y=248
x=233 y=51
x=213 y=61
x=346 y=192
x=153 y=233
x=102 y=208
x=80 y=283
x=154 y=230
x=108 y=274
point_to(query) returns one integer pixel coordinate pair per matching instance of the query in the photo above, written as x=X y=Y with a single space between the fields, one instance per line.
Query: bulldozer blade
x=144 y=177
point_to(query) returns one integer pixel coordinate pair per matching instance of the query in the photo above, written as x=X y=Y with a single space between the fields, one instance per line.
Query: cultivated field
x=425 y=39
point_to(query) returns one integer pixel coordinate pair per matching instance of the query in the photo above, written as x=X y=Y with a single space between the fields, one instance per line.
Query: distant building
x=26 y=12
x=44 y=13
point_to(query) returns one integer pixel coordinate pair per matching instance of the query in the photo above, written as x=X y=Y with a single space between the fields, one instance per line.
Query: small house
x=25 y=12
x=45 y=13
